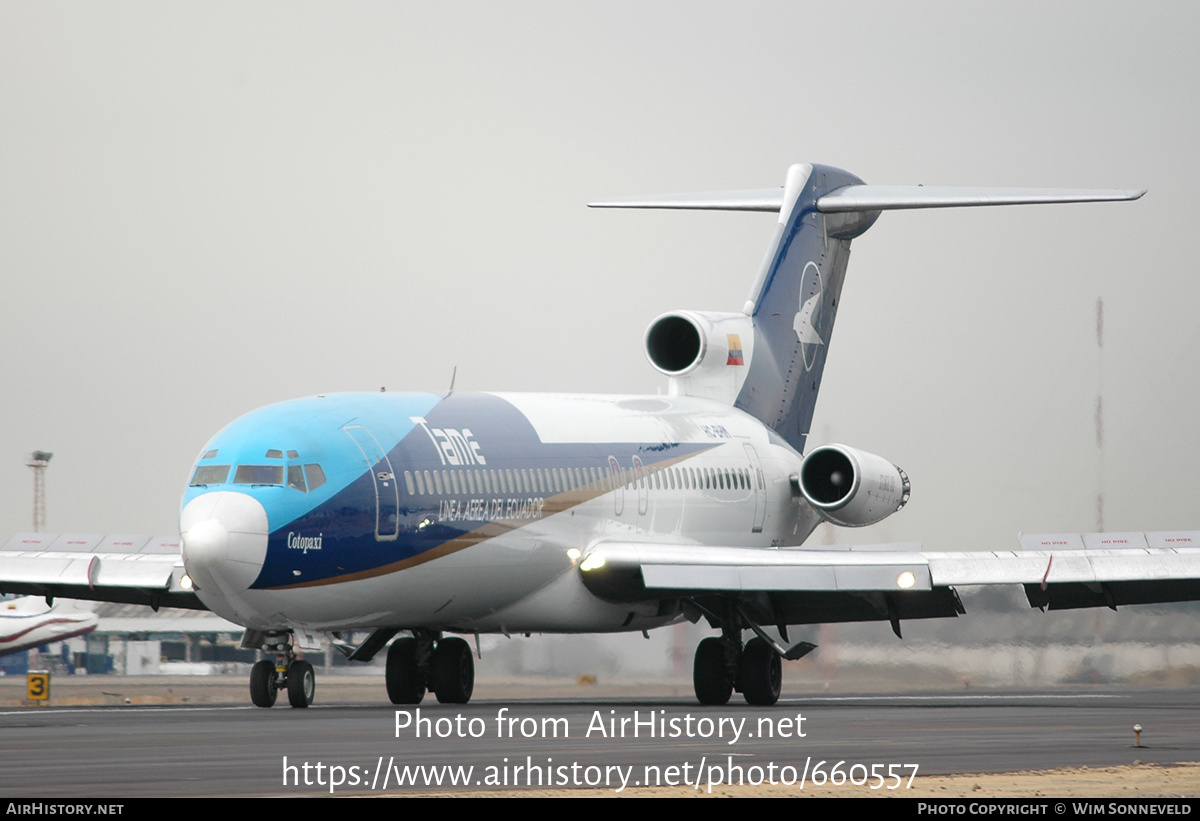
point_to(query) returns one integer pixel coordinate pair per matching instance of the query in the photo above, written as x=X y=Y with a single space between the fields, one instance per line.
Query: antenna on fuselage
x=453 y=375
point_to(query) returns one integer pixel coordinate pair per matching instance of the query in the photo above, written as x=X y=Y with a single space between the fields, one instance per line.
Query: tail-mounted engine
x=851 y=487
x=704 y=353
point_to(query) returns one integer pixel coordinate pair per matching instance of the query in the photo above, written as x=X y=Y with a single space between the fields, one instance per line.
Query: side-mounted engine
x=705 y=353
x=851 y=487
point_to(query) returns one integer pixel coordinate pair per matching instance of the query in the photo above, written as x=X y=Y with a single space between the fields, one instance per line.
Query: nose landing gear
x=286 y=673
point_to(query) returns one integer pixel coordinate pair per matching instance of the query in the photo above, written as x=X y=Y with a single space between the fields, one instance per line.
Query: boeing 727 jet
x=410 y=517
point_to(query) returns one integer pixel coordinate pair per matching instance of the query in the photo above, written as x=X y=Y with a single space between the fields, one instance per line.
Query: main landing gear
x=723 y=665
x=443 y=666
x=287 y=673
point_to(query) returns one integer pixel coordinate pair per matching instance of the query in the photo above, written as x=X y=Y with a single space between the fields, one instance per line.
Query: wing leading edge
x=899 y=581
x=124 y=569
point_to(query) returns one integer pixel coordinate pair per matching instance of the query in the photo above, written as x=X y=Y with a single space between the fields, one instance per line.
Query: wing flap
x=1076 y=558
x=897 y=581
x=634 y=570
x=120 y=568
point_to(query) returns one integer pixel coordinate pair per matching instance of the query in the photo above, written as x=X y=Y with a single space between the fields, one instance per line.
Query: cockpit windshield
x=210 y=475
x=304 y=478
x=258 y=475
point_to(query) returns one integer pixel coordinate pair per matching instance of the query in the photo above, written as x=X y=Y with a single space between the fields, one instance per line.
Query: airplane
x=467 y=513
x=28 y=621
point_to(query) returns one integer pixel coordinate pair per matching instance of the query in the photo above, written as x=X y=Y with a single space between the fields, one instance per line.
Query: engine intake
x=851 y=487
x=674 y=344
x=705 y=353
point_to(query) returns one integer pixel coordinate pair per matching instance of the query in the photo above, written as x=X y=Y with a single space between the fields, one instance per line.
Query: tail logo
x=811 y=290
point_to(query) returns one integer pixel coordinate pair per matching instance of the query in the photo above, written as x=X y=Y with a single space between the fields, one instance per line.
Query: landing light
x=593 y=562
x=906 y=579
x=185 y=582
x=573 y=554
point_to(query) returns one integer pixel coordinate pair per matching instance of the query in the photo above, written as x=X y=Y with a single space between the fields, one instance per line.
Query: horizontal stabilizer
x=761 y=199
x=895 y=197
x=865 y=198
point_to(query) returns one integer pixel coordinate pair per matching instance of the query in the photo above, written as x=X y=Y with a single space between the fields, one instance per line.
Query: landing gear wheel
x=262 y=683
x=404 y=682
x=301 y=683
x=760 y=674
x=710 y=676
x=453 y=671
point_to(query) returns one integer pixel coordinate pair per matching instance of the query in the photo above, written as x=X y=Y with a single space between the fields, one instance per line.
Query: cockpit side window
x=295 y=478
x=316 y=476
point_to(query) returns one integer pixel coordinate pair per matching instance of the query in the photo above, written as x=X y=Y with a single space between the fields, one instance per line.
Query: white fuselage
x=536 y=485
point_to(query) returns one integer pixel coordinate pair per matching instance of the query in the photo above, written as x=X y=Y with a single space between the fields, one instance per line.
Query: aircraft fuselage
x=469 y=512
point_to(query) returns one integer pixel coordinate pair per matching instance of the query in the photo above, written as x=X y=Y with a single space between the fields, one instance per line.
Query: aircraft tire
x=710 y=677
x=262 y=684
x=404 y=682
x=453 y=671
x=302 y=683
x=760 y=673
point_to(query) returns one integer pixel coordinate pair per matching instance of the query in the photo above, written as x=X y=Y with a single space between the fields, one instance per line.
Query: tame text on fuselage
x=454 y=447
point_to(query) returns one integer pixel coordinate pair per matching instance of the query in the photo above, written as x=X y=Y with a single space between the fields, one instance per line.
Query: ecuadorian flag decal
x=735 y=350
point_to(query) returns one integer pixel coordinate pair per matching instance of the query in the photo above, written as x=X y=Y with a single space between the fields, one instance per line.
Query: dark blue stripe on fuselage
x=477 y=426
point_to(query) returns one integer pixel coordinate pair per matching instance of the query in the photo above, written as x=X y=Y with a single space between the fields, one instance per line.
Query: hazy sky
x=208 y=207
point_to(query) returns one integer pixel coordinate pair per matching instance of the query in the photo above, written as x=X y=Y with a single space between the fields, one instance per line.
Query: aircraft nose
x=224 y=540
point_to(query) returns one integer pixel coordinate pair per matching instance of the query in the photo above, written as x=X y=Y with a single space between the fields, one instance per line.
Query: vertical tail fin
x=794 y=300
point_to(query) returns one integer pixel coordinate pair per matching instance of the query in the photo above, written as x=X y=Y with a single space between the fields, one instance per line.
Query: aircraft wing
x=1064 y=571
x=900 y=581
x=126 y=569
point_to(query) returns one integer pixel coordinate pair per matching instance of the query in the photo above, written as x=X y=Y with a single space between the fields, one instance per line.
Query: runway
x=356 y=748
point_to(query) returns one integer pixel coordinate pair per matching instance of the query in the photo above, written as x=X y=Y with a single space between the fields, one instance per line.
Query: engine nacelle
x=705 y=353
x=852 y=488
